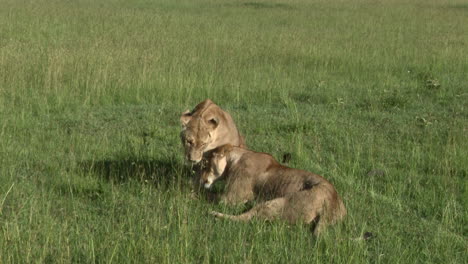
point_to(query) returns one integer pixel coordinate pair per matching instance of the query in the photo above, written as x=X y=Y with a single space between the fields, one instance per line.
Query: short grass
x=370 y=94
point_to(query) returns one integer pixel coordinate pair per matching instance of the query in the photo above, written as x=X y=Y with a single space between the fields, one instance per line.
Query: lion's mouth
x=194 y=161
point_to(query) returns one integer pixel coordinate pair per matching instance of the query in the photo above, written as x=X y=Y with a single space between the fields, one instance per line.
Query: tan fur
x=290 y=194
x=205 y=128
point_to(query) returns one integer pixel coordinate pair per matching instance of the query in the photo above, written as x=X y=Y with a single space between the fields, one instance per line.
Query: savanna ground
x=370 y=94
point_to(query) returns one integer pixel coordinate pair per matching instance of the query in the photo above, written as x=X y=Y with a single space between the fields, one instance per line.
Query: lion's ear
x=185 y=118
x=213 y=122
x=225 y=149
x=228 y=148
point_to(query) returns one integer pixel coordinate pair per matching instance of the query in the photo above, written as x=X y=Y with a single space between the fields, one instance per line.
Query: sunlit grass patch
x=369 y=95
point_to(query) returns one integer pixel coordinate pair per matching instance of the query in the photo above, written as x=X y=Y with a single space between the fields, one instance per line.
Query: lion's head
x=217 y=163
x=197 y=136
x=205 y=128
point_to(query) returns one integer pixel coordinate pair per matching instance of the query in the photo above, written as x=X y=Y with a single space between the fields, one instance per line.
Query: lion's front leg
x=238 y=191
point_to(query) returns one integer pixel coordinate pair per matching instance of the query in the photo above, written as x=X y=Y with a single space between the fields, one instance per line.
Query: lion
x=290 y=194
x=205 y=128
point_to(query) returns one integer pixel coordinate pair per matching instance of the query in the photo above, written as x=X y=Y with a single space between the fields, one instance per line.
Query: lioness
x=297 y=195
x=205 y=128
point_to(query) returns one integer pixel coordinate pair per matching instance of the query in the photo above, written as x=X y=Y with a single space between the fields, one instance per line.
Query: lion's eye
x=190 y=142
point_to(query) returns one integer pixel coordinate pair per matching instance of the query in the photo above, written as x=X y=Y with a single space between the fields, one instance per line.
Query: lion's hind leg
x=242 y=217
x=267 y=211
x=306 y=207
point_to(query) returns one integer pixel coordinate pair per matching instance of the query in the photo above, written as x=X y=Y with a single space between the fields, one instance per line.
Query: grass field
x=370 y=94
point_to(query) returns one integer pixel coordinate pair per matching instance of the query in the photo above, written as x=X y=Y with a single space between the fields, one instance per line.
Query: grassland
x=370 y=94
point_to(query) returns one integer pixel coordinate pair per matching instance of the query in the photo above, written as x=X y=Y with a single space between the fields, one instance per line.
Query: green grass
x=370 y=94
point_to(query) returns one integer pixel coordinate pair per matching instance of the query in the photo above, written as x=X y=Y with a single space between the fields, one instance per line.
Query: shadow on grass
x=159 y=172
